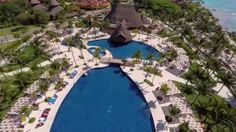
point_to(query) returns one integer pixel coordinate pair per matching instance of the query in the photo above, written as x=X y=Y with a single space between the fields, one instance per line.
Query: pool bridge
x=112 y=61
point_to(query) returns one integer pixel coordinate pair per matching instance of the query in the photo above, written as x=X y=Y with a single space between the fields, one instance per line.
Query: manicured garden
x=27 y=57
x=13 y=87
x=17 y=30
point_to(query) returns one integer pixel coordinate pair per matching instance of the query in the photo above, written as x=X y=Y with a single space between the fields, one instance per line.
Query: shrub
x=24 y=18
x=164 y=88
x=174 y=110
x=148 y=82
x=168 y=118
x=184 y=127
x=31 y=120
x=188 y=90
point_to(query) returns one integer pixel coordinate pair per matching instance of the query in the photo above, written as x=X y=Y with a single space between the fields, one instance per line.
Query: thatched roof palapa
x=129 y=13
x=40 y=7
x=121 y=35
x=36 y=5
x=54 y=11
x=54 y=3
x=34 y=2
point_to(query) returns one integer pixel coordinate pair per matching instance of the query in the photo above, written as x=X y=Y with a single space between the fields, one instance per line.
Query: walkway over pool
x=111 y=61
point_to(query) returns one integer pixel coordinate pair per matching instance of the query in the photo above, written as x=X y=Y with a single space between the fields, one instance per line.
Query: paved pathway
x=7 y=38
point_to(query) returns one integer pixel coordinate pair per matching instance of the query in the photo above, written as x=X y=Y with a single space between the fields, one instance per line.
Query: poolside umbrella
x=152 y=104
x=121 y=35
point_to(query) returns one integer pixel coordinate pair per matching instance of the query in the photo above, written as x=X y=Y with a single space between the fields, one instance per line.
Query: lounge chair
x=39 y=125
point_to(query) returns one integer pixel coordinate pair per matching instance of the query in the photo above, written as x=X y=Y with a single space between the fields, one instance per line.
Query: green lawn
x=17 y=29
x=10 y=45
x=30 y=57
x=13 y=67
x=13 y=88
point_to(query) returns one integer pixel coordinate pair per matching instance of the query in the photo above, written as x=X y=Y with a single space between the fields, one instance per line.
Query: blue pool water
x=106 y=100
x=125 y=51
x=225 y=10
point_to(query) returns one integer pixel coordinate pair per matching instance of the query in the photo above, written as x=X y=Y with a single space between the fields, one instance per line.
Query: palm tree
x=189 y=77
x=104 y=24
x=137 y=55
x=94 y=24
x=80 y=45
x=34 y=68
x=43 y=86
x=183 y=127
x=202 y=109
x=21 y=61
x=25 y=112
x=194 y=72
x=57 y=40
x=221 y=114
x=155 y=72
x=227 y=79
x=150 y=58
x=16 y=35
x=71 y=44
x=202 y=88
x=3 y=55
x=148 y=70
x=96 y=54
x=2 y=72
x=234 y=52
x=22 y=80
x=65 y=63
x=6 y=89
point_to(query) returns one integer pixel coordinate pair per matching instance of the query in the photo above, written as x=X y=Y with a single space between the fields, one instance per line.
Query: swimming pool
x=106 y=100
x=127 y=50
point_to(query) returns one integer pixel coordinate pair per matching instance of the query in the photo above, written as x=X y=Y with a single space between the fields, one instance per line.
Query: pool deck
x=137 y=75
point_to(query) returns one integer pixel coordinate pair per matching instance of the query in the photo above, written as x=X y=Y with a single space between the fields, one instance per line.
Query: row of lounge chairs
x=43 y=117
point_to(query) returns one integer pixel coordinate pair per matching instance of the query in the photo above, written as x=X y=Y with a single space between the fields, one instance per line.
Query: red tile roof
x=3 y=1
x=93 y=4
